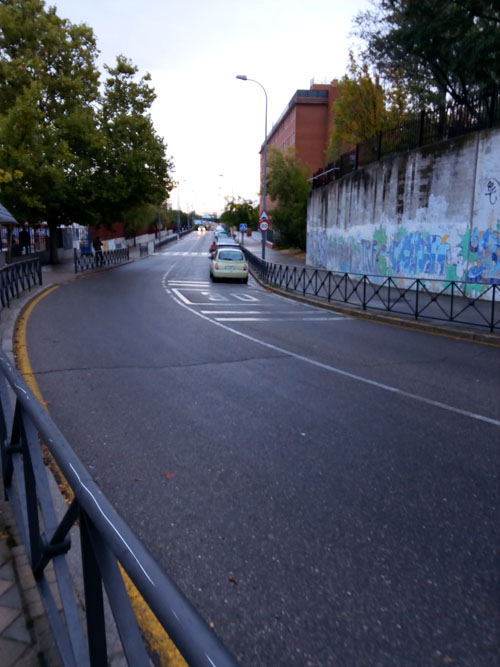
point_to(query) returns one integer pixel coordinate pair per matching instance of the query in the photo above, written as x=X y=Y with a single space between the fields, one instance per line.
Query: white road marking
x=333 y=369
x=177 y=253
x=280 y=319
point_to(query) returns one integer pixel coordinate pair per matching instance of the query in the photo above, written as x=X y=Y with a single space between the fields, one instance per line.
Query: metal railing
x=106 y=541
x=461 y=302
x=19 y=277
x=87 y=261
x=428 y=127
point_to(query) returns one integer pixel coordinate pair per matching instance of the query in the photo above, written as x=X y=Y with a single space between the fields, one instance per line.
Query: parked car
x=229 y=262
x=223 y=242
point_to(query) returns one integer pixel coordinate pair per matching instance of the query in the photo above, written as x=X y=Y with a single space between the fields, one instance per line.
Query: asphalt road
x=324 y=489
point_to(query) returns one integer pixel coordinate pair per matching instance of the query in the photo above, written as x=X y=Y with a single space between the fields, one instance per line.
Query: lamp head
x=243 y=77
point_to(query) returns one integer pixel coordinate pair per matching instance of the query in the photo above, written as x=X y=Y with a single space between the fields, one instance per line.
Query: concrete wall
x=430 y=213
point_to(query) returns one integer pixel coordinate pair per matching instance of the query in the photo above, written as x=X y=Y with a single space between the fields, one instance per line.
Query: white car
x=229 y=263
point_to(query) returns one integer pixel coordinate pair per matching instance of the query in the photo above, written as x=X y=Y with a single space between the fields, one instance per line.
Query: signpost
x=264 y=226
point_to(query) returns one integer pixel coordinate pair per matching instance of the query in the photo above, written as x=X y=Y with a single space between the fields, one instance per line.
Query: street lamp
x=244 y=77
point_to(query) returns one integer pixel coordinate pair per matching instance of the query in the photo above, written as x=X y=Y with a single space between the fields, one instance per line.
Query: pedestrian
x=98 y=251
x=25 y=240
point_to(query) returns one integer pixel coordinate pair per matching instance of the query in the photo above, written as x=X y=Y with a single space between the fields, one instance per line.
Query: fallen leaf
x=233 y=580
x=169 y=475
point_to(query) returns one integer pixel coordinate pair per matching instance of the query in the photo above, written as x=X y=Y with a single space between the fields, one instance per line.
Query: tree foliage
x=364 y=108
x=84 y=156
x=240 y=211
x=288 y=187
x=134 y=170
x=446 y=48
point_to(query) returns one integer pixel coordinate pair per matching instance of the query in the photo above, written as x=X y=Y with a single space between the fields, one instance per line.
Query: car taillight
x=217 y=265
x=245 y=268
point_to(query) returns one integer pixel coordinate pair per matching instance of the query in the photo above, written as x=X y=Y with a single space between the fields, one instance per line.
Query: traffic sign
x=264 y=217
x=243 y=227
x=263 y=225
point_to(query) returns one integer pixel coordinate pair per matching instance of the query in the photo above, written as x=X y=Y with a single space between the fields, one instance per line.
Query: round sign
x=264 y=226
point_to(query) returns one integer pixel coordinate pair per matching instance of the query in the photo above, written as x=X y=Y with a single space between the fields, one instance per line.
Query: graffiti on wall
x=473 y=256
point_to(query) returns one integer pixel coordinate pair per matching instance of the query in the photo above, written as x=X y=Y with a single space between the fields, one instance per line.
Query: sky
x=213 y=123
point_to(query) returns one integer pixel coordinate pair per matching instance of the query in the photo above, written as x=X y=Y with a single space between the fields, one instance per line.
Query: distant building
x=306 y=125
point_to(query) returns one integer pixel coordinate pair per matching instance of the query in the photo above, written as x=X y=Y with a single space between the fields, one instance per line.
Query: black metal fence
x=429 y=127
x=87 y=261
x=460 y=302
x=19 y=277
x=106 y=541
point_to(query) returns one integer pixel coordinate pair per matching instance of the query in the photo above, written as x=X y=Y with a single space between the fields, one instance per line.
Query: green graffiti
x=400 y=234
x=382 y=262
x=380 y=236
x=451 y=272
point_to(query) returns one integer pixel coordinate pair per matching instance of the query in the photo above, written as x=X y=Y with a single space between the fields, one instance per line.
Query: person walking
x=25 y=240
x=99 y=257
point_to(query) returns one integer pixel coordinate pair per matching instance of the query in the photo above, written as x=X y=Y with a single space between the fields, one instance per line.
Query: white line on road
x=279 y=319
x=333 y=369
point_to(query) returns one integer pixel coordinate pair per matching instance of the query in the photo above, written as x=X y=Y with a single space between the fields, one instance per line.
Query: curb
x=450 y=331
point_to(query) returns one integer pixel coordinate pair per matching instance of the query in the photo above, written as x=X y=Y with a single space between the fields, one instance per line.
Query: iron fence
x=87 y=261
x=106 y=541
x=461 y=302
x=19 y=277
x=428 y=127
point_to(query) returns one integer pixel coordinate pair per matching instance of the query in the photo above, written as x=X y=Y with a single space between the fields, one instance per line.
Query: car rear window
x=231 y=255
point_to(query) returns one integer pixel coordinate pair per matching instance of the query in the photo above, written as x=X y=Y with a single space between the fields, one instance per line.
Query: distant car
x=223 y=242
x=229 y=262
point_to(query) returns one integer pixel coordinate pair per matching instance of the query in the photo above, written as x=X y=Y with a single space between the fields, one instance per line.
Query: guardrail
x=106 y=541
x=462 y=302
x=19 y=277
x=84 y=261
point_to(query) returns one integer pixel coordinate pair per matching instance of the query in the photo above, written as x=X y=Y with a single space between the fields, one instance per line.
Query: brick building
x=306 y=125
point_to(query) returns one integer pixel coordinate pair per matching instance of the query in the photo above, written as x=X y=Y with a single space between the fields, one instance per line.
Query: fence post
x=492 y=323
x=416 y=300
x=364 y=291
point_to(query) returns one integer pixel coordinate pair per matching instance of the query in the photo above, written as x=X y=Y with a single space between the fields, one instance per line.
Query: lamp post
x=244 y=77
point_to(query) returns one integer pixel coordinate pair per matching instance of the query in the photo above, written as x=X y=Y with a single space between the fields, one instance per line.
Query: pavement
x=26 y=639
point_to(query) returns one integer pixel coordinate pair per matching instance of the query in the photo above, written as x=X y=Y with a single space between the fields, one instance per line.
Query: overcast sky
x=193 y=49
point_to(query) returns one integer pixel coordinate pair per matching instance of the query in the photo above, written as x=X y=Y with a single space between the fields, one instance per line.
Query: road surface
x=324 y=489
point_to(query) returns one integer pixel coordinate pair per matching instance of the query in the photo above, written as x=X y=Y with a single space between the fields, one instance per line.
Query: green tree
x=134 y=169
x=48 y=89
x=288 y=187
x=84 y=157
x=240 y=211
x=364 y=108
x=449 y=48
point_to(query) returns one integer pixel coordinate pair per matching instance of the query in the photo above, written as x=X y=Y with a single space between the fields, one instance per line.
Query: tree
x=449 y=48
x=240 y=211
x=288 y=186
x=364 y=108
x=48 y=88
x=134 y=170
x=84 y=157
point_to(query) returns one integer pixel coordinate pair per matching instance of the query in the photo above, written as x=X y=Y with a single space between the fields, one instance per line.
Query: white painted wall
x=430 y=213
